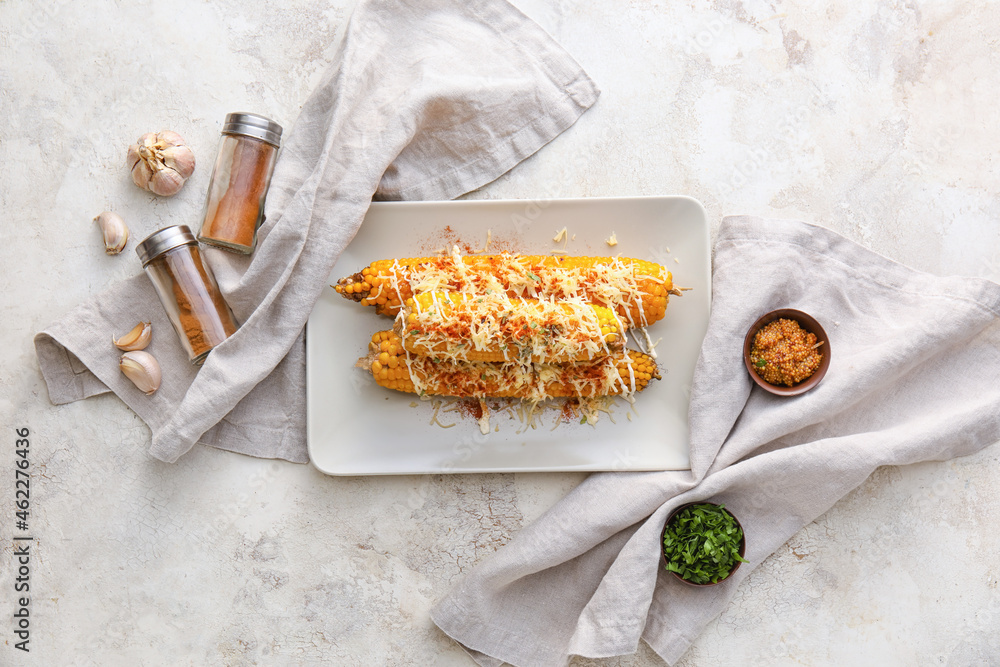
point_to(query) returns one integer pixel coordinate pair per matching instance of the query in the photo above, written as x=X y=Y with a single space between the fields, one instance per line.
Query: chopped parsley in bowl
x=703 y=544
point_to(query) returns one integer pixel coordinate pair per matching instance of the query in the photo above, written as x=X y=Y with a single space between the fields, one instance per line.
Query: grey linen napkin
x=425 y=100
x=914 y=361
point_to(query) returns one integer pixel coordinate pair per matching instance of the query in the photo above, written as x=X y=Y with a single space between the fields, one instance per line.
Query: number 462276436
x=22 y=477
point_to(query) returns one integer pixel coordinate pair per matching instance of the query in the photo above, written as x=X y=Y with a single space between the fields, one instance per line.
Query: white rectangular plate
x=356 y=427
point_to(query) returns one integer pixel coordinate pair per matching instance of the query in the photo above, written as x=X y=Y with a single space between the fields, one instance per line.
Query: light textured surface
x=878 y=120
x=413 y=121
x=912 y=378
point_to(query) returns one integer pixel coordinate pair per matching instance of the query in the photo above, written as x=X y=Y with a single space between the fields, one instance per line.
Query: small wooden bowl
x=808 y=323
x=663 y=556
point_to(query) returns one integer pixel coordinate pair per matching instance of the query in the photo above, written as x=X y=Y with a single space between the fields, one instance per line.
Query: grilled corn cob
x=637 y=289
x=620 y=373
x=493 y=327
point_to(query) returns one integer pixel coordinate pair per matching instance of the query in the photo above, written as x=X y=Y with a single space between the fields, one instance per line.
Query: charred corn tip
x=643 y=367
x=387 y=363
x=354 y=287
x=371 y=287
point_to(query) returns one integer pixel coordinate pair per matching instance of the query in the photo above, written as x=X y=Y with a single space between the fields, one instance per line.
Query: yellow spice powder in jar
x=784 y=353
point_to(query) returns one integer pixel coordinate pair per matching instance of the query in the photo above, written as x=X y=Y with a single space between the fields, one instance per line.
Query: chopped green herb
x=533 y=277
x=760 y=363
x=414 y=331
x=583 y=420
x=702 y=544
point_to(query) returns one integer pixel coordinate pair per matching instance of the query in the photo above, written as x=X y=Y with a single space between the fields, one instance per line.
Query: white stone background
x=877 y=119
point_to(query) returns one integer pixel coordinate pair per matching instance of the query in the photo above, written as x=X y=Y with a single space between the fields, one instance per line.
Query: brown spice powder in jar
x=231 y=220
x=234 y=208
x=187 y=290
x=783 y=353
x=205 y=328
x=204 y=317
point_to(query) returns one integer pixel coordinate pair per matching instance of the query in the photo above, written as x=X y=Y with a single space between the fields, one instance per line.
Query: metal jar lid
x=160 y=242
x=253 y=125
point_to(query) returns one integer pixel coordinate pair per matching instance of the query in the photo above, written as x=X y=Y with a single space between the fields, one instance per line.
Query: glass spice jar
x=187 y=290
x=240 y=178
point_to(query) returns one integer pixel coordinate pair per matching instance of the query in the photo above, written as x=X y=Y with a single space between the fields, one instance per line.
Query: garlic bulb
x=142 y=369
x=160 y=162
x=136 y=339
x=115 y=232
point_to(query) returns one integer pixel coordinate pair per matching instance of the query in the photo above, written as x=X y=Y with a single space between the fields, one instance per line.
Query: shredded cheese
x=434 y=418
x=458 y=323
x=553 y=298
x=484 y=419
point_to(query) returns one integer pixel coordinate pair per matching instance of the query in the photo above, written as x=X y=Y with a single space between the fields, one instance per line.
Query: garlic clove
x=141 y=174
x=136 y=339
x=165 y=182
x=160 y=162
x=168 y=138
x=115 y=231
x=142 y=369
x=180 y=159
x=133 y=156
